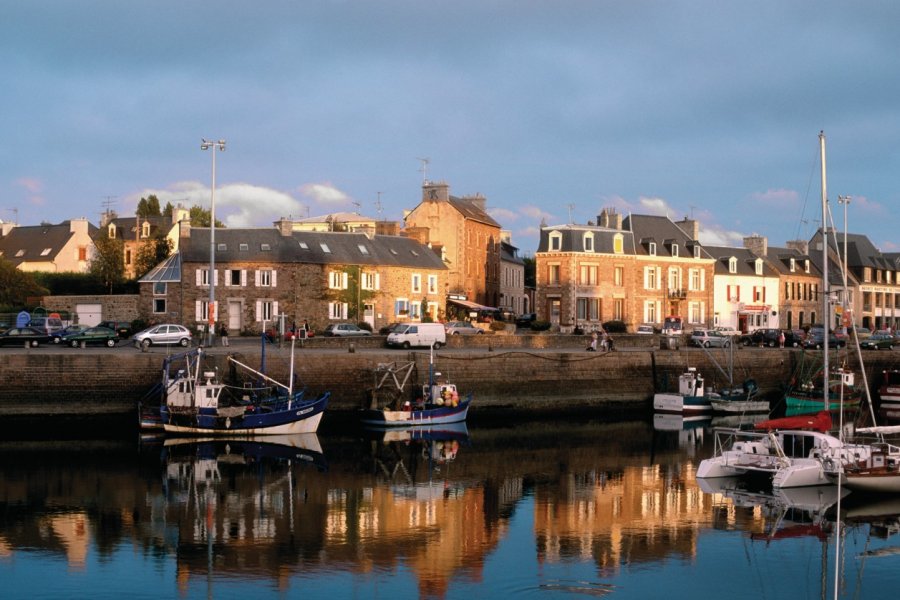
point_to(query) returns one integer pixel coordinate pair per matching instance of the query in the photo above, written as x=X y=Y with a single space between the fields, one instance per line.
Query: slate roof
x=746 y=262
x=267 y=245
x=663 y=231
x=780 y=259
x=861 y=253
x=573 y=238
x=510 y=253
x=126 y=227
x=28 y=243
x=470 y=210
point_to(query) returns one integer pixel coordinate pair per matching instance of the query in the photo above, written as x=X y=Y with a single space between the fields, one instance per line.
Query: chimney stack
x=690 y=227
x=801 y=246
x=757 y=244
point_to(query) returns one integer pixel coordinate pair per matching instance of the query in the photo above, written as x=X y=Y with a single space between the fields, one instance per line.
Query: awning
x=470 y=305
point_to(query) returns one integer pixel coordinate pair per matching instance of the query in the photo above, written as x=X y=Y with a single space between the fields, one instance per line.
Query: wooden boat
x=877 y=471
x=739 y=400
x=197 y=403
x=437 y=403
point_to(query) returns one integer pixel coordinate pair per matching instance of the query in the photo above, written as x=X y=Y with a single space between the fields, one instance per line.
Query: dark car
x=761 y=337
x=23 y=336
x=345 y=330
x=123 y=328
x=90 y=337
x=816 y=341
x=526 y=320
x=56 y=336
x=877 y=341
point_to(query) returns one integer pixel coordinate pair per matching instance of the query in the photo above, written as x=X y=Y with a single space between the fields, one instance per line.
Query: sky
x=552 y=110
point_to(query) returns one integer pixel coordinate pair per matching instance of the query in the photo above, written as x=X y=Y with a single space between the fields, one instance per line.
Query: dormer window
x=145 y=230
x=325 y=248
x=221 y=247
x=674 y=249
x=111 y=231
x=651 y=248
x=618 y=244
x=589 y=242
x=265 y=247
x=732 y=265
x=244 y=247
x=555 y=240
x=806 y=265
x=304 y=245
x=363 y=249
x=696 y=250
x=793 y=265
x=759 y=266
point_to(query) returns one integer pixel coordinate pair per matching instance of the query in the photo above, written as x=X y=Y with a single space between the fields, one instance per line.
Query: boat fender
x=227 y=422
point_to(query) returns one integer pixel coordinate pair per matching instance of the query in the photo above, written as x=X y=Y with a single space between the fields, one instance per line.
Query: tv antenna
x=357 y=205
x=571 y=207
x=424 y=168
x=378 y=206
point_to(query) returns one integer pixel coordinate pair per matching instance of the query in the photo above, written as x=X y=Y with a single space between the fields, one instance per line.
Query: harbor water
x=561 y=509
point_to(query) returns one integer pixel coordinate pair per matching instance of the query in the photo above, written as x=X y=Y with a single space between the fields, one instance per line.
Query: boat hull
x=731 y=407
x=874 y=482
x=679 y=403
x=407 y=418
x=302 y=417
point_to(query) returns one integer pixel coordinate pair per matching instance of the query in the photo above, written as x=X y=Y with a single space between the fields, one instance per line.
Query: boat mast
x=825 y=287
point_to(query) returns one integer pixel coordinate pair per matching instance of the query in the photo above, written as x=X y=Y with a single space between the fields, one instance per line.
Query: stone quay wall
x=36 y=382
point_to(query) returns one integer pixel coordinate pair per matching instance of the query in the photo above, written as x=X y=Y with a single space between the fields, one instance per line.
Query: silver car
x=461 y=328
x=709 y=338
x=162 y=335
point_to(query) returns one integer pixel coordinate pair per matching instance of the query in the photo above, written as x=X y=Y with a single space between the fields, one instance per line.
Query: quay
x=529 y=374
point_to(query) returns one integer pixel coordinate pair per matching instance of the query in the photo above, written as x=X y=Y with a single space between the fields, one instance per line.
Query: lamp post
x=845 y=201
x=211 y=309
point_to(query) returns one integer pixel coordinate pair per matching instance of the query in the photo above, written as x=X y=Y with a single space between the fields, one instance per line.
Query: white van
x=418 y=334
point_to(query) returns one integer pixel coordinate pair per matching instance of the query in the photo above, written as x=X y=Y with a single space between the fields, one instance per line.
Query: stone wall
x=117 y=307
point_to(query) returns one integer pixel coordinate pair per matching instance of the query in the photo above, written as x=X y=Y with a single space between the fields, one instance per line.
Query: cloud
x=32 y=185
x=237 y=204
x=655 y=206
x=779 y=197
x=502 y=214
x=325 y=194
x=714 y=235
x=535 y=212
x=864 y=205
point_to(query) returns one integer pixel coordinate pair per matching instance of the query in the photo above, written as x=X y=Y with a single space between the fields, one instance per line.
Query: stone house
x=466 y=238
x=263 y=273
x=745 y=290
x=512 y=278
x=135 y=231
x=63 y=248
x=800 y=281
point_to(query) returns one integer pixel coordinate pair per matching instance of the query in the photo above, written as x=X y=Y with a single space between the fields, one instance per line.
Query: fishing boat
x=196 y=402
x=691 y=396
x=810 y=394
x=875 y=471
x=438 y=401
x=739 y=400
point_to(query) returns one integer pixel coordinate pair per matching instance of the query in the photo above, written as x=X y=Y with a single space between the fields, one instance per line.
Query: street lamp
x=211 y=309
x=845 y=201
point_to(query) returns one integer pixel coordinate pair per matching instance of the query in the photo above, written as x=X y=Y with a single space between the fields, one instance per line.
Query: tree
x=17 y=286
x=151 y=252
x=108 y=264
x=530 y=272
x=149 y=207
x=200 y=217
x=167 y=211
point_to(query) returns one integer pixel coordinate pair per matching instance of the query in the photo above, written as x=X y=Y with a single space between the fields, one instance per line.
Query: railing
x=677 y=293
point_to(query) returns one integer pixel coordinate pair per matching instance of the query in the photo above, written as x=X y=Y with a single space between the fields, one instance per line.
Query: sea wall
x=37 y=382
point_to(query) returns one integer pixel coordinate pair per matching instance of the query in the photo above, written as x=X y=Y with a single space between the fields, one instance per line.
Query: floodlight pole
x=211 y=308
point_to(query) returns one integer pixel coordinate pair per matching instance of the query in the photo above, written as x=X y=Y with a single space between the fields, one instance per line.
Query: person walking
x=781 y=339
x=223 y=333
x=593 y=346
x=604 y=341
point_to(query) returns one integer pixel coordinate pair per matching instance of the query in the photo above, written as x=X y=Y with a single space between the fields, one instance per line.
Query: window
x=337 y=280
x=20 y=253
x=619 y=276
x=145 y=230
x=111 y=231
x=363 y=249
x=266 y=278
x=651 y=248
x=265 y=247
x=806 y=268
x=650 y=311
x=432 y=284
x=244 y=247
x=266 y=310
x=415 y=310
x=401 y=307
x=732 y=265
x=674 y=249
x=202 y=277
x=674 y=279
x=82 y=252
x=337 y=310
x=221 y=247
x=733 y=292
x=588 y=274
x=618 y=244
x=203 y=311
x=587 y=309
x=651 y=278
x=304 y=245
x=589 y=242
x=159 y=305
x=159 y=288
x=127 y=256
x=46 y=251
x=369 y=281
x=555 y=240
x=793 y=265
x=694 y=315
x=867 y=274
x=553 y=275
x=694 y=280
x=416 y=283
x=696 y=251
x=235 y=278
x=619 y=309
x=759 y=266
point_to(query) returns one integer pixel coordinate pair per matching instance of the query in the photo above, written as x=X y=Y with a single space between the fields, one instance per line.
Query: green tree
x=530 y=272
x=150 y=253
x=200 y=217
x=108 y=264
x=167 y=211
x=149 y=207
x=17 y=286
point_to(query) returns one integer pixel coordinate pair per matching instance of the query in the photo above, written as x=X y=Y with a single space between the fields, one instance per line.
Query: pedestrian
x=781 y=339
x=604 y=341
x=593 y=346
x=223 y=333
x=305 y=329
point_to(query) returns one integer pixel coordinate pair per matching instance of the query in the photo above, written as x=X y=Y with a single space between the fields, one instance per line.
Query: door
x=369 y=315
x=234 y=315
x=554 y=305
x=88 y=314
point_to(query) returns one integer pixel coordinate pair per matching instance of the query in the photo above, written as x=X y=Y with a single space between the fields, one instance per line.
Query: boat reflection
x=415 y=455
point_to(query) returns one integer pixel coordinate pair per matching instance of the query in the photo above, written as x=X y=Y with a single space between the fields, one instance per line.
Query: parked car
x=761 y=337
x=817 y=341
x=391 y=328
x=877 y=341
x=863 y=333
x=23 y=336
x=345 y=330
x=709 y=338
x=166 y=334
x=46 y=324
x=461 y=328
x=729 y=331
x=91 y=336
x=428 y=335
x=526 y=319
x=56 y=336
x=644 y=330
x=123 y=328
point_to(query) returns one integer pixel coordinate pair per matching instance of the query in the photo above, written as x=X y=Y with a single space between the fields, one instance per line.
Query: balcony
x=677 y=294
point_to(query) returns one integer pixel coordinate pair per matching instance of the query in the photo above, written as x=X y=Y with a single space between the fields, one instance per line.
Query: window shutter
x=728 y=293
x=377 y=281
x=258 y=308
x=198 y=310
x=274 y=278
x=343 y=281
x=702 y=280
x=703 y=312
x=256 y=283
x=275 y=312
x=646 y=274
x=228 y=277
x=659 y=278
x=764 y=295
x=344 y=309
x=243 y=277
x=199 y=277
x=215 y=277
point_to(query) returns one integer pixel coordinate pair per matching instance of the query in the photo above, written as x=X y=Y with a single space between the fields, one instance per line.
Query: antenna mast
x=378 y=206
x=424 y=168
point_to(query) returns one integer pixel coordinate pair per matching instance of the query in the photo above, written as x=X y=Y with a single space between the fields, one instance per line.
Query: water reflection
x=549 y=507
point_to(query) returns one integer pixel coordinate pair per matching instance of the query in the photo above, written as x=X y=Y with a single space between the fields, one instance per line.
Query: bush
x=364 y=325
x=498 y=325
x=615 y=327
x=540 y=325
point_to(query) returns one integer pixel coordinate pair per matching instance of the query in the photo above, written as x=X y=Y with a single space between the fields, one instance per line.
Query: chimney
x=184 y=228
x=801 y=246
x=180 y=213
x=285 y=227
x=506 y=236
x=387 y=228
x=78 y=226
x=478 y=200
x=690 y=227
x=420 y=234
x=435 y=192
x=757 y=244
x=609 y=218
